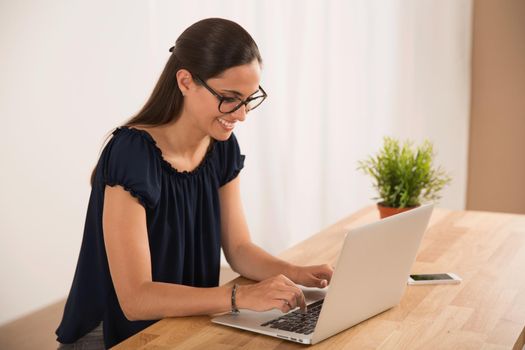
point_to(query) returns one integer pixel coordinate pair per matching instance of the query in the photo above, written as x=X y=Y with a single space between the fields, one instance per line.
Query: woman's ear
x=184 y=81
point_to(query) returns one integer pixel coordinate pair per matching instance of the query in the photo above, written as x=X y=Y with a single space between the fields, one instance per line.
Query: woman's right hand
x=276 y=292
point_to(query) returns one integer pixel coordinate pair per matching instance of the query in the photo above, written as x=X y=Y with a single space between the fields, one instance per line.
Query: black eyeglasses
x=231 y=104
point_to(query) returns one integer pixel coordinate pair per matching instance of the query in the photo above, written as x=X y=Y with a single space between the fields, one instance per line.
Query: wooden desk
x=485 y=311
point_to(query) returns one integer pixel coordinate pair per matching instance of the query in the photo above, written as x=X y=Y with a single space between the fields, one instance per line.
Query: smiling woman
x=165 y=199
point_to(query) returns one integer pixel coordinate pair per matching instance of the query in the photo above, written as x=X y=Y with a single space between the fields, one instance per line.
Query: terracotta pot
x=385 y=212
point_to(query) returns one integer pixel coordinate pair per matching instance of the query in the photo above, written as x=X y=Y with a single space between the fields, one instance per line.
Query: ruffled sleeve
x=232 y=161
x=131 y=162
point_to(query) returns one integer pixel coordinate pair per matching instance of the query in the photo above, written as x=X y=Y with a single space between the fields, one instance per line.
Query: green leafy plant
x=405 y=177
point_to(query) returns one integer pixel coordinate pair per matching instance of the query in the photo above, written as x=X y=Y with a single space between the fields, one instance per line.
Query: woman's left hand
x=312 y=276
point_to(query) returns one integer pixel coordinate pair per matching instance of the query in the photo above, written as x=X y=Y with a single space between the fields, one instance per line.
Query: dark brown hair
x=206 y=48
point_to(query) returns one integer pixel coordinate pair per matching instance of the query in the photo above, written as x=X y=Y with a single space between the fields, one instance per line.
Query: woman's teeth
x=226 y=124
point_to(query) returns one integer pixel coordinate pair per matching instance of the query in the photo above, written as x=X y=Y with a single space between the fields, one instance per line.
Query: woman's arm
x=127 y=248
x=252 y=261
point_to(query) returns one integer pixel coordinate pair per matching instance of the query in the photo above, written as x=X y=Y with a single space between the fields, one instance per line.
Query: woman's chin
x=221 y=134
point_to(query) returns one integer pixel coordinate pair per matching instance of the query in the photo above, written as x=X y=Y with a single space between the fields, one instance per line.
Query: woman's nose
x=240 y=113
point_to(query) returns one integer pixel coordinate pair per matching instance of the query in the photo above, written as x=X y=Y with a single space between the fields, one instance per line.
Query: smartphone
x=434 y=278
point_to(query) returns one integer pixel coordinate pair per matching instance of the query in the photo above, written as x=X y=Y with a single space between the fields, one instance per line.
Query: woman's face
x=237 y=82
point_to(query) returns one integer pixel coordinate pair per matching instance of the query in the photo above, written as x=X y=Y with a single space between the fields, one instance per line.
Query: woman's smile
x=226 y=124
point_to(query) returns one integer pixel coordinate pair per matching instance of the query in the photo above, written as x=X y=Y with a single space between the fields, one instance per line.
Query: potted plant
x=404 y=177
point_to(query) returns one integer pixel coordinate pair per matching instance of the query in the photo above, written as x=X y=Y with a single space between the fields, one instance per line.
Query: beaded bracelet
x=234 y=305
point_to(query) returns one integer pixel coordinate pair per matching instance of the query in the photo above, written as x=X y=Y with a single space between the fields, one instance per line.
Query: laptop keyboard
x=297 y=321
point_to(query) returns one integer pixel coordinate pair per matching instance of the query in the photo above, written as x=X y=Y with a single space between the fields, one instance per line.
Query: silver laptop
x=370 y=277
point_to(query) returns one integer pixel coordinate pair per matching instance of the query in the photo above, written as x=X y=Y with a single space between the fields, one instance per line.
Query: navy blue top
x=183 y=222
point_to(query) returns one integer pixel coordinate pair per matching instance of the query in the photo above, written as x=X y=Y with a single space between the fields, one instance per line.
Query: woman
x=165 y=198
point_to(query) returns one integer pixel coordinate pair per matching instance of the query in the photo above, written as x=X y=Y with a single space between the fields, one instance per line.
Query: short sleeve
x=232 y=161
x=131 y=162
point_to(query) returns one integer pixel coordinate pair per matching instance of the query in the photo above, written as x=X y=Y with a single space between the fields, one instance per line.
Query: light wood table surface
x=485 y=311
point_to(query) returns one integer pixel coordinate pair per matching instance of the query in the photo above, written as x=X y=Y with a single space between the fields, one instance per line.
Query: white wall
x=340 y=74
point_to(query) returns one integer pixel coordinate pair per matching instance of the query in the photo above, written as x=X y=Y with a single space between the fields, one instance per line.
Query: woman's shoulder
x=131 y=132
x=130 y=144
x=129 y=160
x=229 y=158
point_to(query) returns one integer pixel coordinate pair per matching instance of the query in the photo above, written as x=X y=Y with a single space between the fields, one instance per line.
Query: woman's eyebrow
x=239 y=94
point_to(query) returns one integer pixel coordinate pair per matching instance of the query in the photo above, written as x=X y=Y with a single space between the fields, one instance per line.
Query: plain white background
x=340 y=75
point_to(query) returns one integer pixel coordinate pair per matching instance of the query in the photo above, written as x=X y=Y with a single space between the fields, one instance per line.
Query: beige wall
x=496 y=179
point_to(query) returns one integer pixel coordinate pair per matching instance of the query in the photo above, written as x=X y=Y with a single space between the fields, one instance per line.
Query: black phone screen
x=431 y=277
